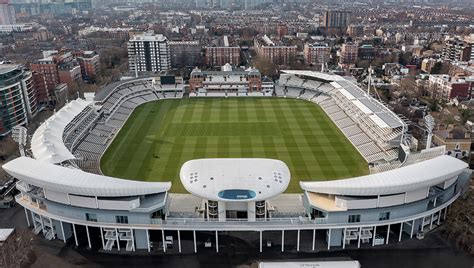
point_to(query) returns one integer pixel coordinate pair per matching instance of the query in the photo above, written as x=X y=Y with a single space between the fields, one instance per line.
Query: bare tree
x=17 y=251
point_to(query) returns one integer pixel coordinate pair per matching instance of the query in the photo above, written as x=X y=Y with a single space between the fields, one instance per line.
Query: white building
x=235 y=188
x=149 y=53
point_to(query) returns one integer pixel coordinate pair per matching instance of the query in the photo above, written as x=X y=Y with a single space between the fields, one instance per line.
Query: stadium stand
x=88 y=135
x=371 y=127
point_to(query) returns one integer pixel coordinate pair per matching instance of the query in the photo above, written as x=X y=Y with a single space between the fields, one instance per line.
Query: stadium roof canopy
x=409 y=178
x=235 y=179
x=318 y=75
x=47 y=141
x=376 y=111
x=75 y=181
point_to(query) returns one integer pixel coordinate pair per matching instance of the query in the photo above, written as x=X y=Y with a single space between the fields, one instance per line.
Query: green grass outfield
x=295 y=131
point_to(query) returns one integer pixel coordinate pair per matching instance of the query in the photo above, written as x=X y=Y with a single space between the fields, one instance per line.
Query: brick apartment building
x=223 y=52
x=279 y=54
x=316 y=54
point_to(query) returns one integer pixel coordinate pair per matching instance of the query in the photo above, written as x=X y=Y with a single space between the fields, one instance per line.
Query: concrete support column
x=117 y=239
x=412 y=227
x=62 y=231
x=282 y=240
x=42 y=224
x=163 y=239
x=88 y=237
x=133 y=239
x=260 y=241
x=194 y=236
x=344 y=239
x=431 y=221
x=358 y=237
x=373 y=236
x=314 y=239
x=217 y=242
x=179 y=241
x=27 y=218
x=445 y=212
x=34 y=221
x=400 y=234
x=102 y=237
x=75 y=234
x=439 y=216
x=148 y=240
x=298 y=241
x=329 y=239
x=388 y=234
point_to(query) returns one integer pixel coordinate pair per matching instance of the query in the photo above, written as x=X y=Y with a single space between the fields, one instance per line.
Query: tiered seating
x=344 y=122
x=96 y=130
x=360 y=139
x=79 y=126
x=279 y=91
x=307 y=94
x=292 y=92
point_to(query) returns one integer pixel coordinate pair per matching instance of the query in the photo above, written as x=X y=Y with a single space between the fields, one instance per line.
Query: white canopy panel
x=362 y=107
x=75 y=181
x=346 y=93
x=413 y=177
x=314 y=74
x=377 y=120
x=47 y=141
x=235 y=179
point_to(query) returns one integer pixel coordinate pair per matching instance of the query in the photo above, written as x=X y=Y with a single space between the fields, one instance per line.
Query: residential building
x=445 y=87
x=349 y=53
x=149 y=52
x=457 y=140
x=223 y=52
x=282 y=31
x=277 y=53
x=185 y=53
x=17 y=97
x=89 y=61
x=336 y=19
x=7 y=13
x=317 y=54
x=355 y=30
x=456 y=50
x=55 y=68
x=366 y=52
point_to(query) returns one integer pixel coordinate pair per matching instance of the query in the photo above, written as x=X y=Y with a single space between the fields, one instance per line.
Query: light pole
x=19 y=135
x=429 y=123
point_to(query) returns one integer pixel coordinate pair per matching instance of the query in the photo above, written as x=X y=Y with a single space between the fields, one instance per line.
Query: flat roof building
x=149 y=52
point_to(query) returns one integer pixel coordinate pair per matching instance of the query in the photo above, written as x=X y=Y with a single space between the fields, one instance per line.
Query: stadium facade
x=65 y=196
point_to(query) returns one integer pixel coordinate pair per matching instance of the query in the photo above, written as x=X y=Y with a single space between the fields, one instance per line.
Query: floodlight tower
x=429 y=123
x=19 y=135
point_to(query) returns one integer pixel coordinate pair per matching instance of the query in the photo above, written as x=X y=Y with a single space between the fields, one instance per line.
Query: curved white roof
x=75 y=181
x=413 y=177
x=208 y=178
x=47 y=141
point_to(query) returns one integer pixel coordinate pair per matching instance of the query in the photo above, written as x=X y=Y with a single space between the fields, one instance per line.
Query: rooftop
x=75 y=181
x=409 y=178
x=6 y=68
x=235 y=179
x=149 y=37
